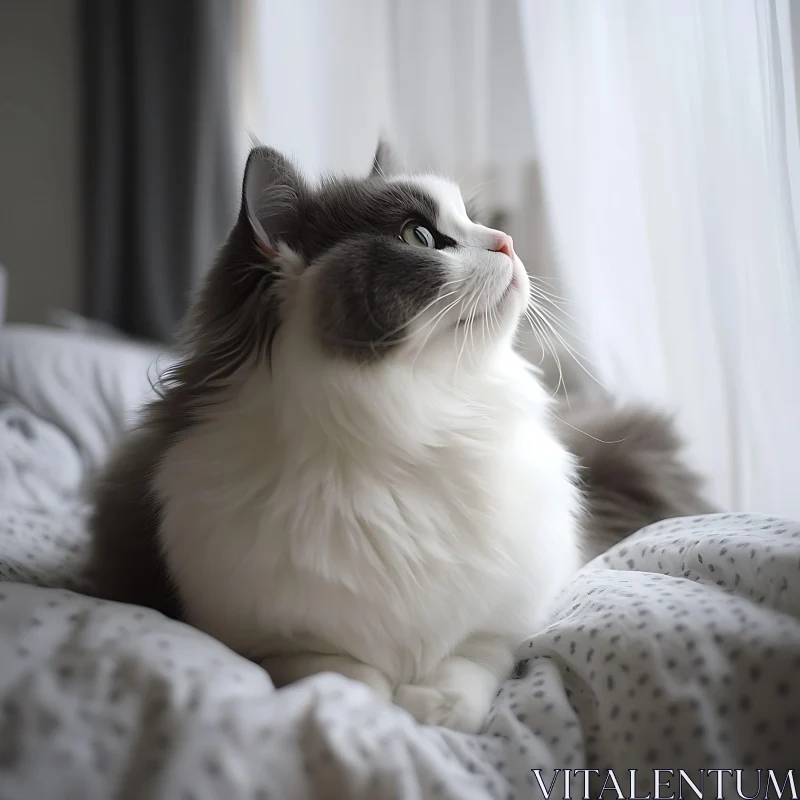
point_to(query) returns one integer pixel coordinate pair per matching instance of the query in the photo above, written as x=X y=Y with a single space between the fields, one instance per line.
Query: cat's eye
x=417 y=235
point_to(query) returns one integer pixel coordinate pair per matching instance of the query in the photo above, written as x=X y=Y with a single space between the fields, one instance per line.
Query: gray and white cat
x=350 y=469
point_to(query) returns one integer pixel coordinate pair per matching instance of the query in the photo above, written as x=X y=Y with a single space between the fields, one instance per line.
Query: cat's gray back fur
x=125 y=559
x=632 y=469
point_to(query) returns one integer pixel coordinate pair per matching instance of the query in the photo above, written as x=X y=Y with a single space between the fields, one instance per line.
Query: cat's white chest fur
x=389 y=531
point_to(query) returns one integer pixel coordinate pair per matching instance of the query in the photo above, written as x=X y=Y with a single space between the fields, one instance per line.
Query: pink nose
x=504 y=244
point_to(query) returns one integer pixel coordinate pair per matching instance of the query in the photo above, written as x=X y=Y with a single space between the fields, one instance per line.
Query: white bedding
x=680 y=649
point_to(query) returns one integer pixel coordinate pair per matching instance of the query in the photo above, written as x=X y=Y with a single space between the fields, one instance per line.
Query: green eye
x=417 y=235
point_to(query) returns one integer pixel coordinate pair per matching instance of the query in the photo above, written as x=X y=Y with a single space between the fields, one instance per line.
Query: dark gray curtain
x=159 y=154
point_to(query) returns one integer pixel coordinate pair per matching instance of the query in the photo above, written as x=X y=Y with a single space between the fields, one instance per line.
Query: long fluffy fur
x=632 y=469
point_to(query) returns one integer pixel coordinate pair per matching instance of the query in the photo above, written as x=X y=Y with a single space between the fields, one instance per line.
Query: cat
x=350 y=468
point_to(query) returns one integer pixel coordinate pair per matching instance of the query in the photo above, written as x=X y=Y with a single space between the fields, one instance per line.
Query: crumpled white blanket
x=679 y=649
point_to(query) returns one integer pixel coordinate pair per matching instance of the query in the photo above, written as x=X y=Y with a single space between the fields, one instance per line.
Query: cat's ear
x=479 y=212
x=384 y=162
x=495 y=218
x=271 y=194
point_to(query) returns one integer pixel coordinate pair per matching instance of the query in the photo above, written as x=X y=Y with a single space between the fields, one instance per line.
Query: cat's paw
x=457 y=695
x=449 y=708
x=374 y=679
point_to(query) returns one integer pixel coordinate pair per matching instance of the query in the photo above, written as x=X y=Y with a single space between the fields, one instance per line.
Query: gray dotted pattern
x=678 y=649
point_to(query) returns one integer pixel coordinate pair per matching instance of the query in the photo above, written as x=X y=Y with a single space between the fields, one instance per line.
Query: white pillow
x=89 y=387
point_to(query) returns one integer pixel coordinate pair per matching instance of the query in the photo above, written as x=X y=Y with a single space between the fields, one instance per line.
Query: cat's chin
x=506 y=310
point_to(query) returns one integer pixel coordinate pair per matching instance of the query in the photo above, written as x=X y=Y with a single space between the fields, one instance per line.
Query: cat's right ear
x=271 y=194
x=384 y=162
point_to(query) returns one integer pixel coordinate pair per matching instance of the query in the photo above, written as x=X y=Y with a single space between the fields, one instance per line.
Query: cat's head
x=386 y=266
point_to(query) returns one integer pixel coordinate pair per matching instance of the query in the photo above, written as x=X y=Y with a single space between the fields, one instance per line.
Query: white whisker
x=536 y=324
x=576 y=356
x=435 y=321
x=602 y=441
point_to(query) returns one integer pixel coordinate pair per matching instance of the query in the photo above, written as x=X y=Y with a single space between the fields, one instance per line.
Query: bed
x=677 y=650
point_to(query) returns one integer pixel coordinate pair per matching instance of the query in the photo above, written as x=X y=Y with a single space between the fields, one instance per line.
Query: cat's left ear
x=384 y=162
x=272 y=191
x=496 y=218
x=479 y=212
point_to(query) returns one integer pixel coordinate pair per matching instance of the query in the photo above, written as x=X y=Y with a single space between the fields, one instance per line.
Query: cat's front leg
x=458 y=693
x=287 y=669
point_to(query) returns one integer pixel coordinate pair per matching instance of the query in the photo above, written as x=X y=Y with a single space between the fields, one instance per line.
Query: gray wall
x=40 y=197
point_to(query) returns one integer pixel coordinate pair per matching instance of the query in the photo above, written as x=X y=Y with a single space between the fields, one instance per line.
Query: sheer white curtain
x=444 y=81
x=666 y=135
